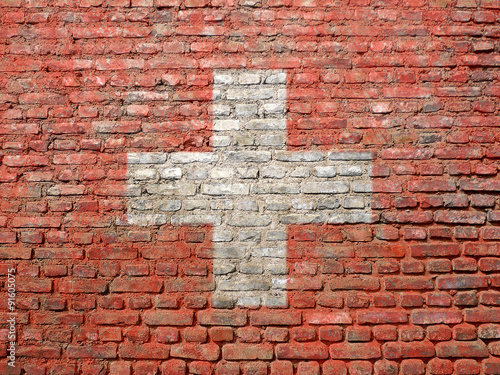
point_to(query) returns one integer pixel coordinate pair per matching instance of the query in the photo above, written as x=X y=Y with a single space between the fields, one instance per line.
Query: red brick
x=144 y=351
x=481 y=249
x=408 y=283
x=491 y=298
x=220 y=334
x=436 y=317
x=15 y=253
x=275 y=318
x=462 y=349
x=382 y=317
x=160 y=318
x=431 y=185
x=136 y=285
x=59 y=253
x=327 y=318
x=204 y=352
x=227 y=368
x=412 y=367
x=356 y=283
x=39 y=351
x=33 y=285
x=81 y=286
x=281 y=368
x=462 y=282
x=392 y=350
x=57 y=318
x=222 y=318
x=489 y=264
x=114 y=318
x=239 y=352
x=107 y=351
x=435 y=250
x=302 y=351
x=167 y=334
x=355 y=350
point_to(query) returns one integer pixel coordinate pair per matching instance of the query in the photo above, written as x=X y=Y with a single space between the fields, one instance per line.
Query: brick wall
x=256 y=187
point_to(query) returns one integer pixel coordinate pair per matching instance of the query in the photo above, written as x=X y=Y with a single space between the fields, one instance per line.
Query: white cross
x=250 y=187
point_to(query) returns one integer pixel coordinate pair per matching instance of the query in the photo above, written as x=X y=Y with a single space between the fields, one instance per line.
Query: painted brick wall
x=255 y=187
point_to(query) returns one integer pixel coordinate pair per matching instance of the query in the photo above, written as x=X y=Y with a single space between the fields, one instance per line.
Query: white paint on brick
x=249 y=188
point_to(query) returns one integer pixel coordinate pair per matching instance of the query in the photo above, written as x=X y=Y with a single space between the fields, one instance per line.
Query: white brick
x=249 y=79
x=350 y=170
x=196 y=219
x=266 y=124
x=225 y=204
x=225 y=189
x=226 y=125
x=193 y=157
x=223 y=79
x=272 y=140
x=177 y=188
x=273 y=171
x=146 y=158
x=354 y=202
x=170 y=205
x=300 y=204
x=302 y=156
x=276 y=188
x=350 y=155
x=195 y=204
x=196 y=174
x=248 y=156
x=171 y=173
x=325 y=172
x=249 y=93
x=279 y=77
x=273 y=108
x=221 y=173
x=144 y=220
x=250 y=220
x=334 y=187
x=249 y=236
x=221 y=110
x=302 y=218
x=221 y=140
x=145 y=174
x=248 y=172
x=245 y=110
x=271 y=252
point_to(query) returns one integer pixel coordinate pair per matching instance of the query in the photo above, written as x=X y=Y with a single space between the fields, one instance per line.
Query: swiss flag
x=277 y=215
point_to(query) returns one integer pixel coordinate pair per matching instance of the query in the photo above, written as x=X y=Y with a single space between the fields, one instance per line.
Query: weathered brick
x=355 y=351
x=382 y=317
x=302 y=351
x=203 y=352
x=168 y=318
x=144 y=351
x=222 y=318
x=240 y=352
x=436 y=317
x=392 y=350
x=462 y=282
x=408 y=283
x=114 y=318
x=275 y=318
x=106 y=351
x=462 y=349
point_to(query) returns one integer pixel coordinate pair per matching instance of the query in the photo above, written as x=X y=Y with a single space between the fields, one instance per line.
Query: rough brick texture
x=257 y=187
